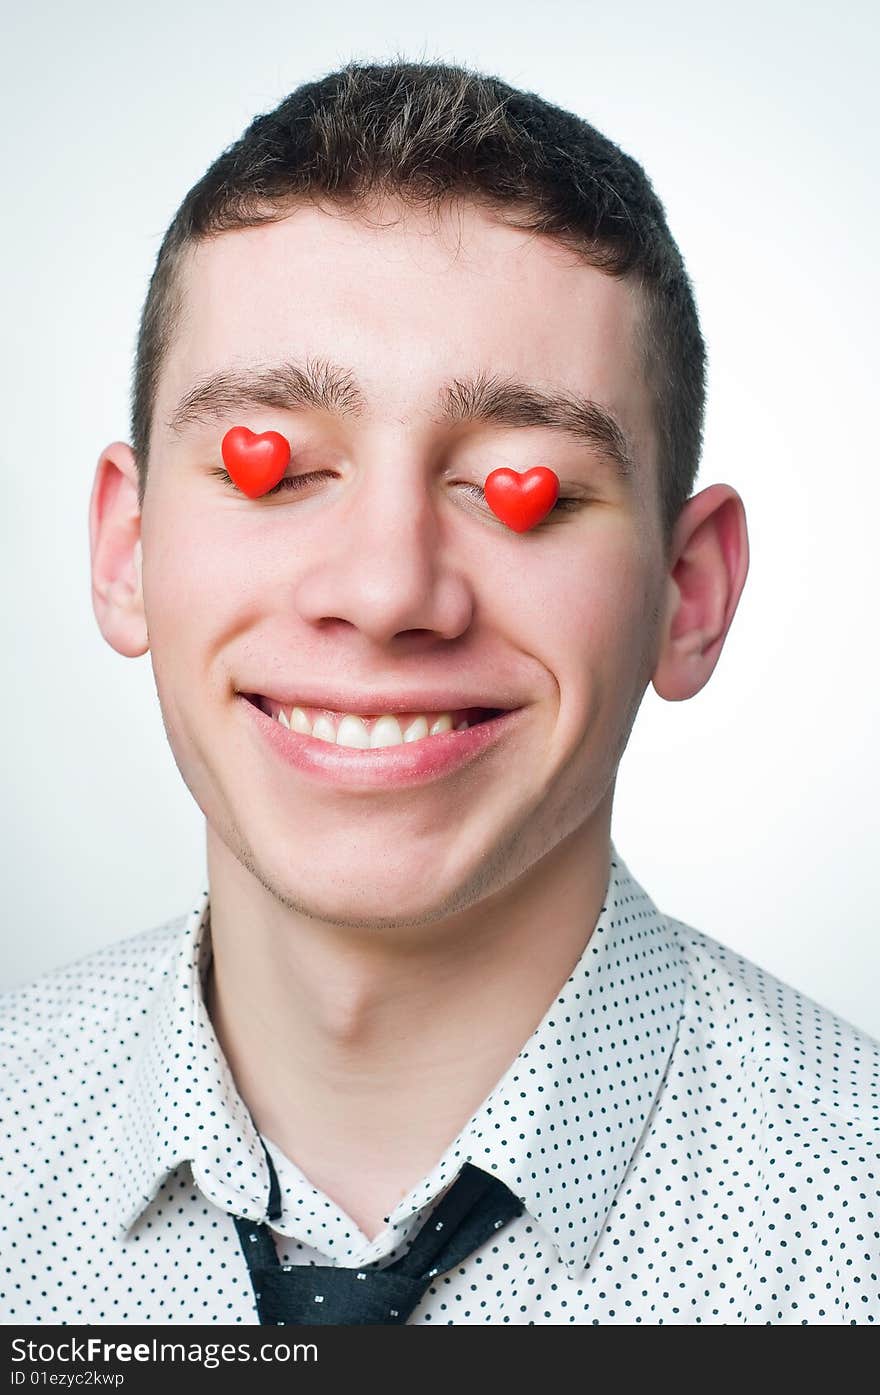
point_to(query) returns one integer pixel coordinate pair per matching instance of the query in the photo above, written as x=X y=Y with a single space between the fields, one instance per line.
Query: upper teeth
x=347 y=729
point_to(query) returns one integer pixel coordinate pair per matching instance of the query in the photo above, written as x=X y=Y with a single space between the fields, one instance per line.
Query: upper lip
x=377 y=702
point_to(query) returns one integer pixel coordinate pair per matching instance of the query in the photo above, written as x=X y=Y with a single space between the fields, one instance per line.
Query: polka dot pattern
x=693 y=1141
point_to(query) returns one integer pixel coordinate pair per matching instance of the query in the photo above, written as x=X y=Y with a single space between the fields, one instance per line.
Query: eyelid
x=564 y=503
x=288 y=481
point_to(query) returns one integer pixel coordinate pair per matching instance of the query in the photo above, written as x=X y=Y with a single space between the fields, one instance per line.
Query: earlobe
x=116 y=556
x=708 y=568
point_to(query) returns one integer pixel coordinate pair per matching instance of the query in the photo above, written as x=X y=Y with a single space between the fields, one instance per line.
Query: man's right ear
x=115 y=542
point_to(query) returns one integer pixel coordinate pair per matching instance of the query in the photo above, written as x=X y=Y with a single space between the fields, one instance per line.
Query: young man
x=421 y=976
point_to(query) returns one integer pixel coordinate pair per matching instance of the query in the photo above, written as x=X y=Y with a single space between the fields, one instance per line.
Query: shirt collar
x=590 y=1074
x=588 y=1078
x=182 y=1104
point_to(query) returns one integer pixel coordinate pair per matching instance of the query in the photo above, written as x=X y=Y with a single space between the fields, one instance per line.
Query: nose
x=383 y=560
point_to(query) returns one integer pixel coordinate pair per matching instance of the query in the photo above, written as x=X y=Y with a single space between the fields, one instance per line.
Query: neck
x=363 y=1055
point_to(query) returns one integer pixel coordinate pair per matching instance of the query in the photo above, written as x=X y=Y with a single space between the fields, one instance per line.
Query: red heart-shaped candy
x=521 y=501
x=255 y=463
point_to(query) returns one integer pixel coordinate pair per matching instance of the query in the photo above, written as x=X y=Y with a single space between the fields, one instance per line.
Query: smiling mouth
x=360 y=732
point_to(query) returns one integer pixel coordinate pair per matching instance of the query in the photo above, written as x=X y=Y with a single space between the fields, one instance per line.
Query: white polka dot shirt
x=693 y=1142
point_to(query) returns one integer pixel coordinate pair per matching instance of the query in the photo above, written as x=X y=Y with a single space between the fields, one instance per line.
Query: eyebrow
x=482 y=397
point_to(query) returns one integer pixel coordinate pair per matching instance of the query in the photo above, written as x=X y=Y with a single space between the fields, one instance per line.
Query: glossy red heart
x=521 y=501
x=255 y=463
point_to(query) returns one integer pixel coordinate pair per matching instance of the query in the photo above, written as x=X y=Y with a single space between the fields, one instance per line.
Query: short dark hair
x=431 y=132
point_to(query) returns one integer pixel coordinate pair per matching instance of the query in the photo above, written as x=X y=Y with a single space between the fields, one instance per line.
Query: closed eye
x=565 y=505
x=286 y=481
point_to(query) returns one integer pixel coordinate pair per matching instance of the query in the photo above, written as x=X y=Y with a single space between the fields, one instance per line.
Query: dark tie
x=307 y=1295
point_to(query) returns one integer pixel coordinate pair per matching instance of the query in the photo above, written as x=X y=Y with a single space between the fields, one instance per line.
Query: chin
x=371 y=910
x=367 y=900
x=365 y=883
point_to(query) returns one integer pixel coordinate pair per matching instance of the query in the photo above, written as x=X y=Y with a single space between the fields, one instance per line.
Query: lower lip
x=414 y=763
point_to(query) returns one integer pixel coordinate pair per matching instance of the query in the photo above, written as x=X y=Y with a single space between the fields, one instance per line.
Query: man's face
x=387 y=570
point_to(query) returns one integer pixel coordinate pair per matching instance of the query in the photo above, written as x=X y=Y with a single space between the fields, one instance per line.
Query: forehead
x=409 y=299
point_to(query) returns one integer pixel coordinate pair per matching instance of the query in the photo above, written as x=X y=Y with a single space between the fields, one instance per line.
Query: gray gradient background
x=750 y=811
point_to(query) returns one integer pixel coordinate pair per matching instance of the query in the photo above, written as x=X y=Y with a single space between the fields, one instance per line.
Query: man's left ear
x=709 y=562
x=115 y=542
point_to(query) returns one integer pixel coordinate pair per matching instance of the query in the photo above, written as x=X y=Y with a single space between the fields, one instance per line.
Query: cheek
x=205 y=566
x=199 y=594
x=591 y=611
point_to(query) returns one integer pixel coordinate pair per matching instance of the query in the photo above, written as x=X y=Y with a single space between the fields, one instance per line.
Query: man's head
x=416 y=275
